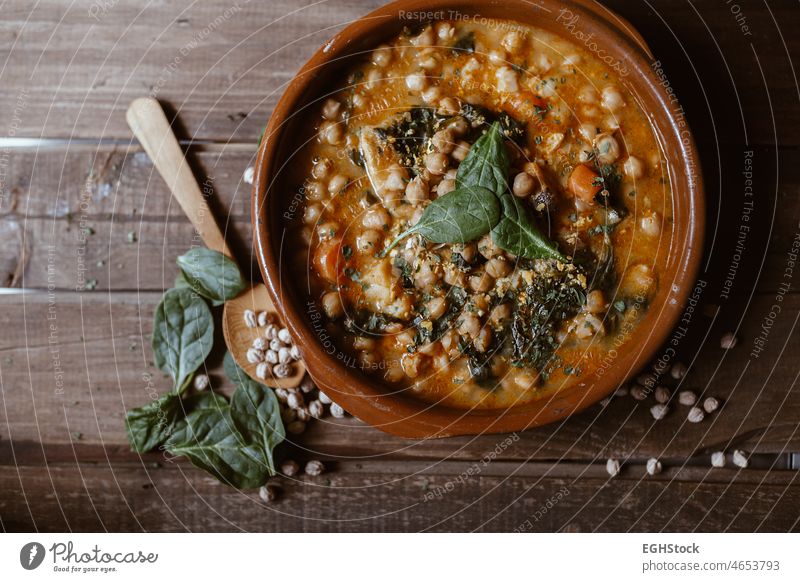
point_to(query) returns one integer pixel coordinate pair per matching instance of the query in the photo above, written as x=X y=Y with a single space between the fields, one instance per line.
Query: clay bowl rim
x=406 y=416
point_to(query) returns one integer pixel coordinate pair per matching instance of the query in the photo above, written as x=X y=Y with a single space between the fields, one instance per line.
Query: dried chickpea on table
x=552 y=259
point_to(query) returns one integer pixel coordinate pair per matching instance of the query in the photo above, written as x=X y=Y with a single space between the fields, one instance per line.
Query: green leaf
x=211 y=274
x=517 y=233
x=149 y=426
x=486 y=164
x=256 y=412
x=183 y=334
x=461 y=215
x=203 y=400
x=209 y=439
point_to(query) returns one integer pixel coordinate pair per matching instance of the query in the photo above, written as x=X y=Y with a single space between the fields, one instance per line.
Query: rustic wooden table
x=89 y=237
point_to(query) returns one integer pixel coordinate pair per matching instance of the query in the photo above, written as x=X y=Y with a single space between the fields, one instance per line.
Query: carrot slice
x=584 y=183
x=327 y=260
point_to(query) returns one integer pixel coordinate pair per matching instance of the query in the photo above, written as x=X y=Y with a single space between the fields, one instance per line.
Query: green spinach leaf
x=209 y=439
x=149 y=426
x=211 y=274
x=256 y=413
x=517 y=233
x=486 y=164
x=183 y=334
x=461 y=215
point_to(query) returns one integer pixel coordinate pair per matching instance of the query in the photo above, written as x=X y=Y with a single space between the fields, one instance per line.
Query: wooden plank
x=100 y=345
x=71 y=71
x=165 y=498
x=51 y=197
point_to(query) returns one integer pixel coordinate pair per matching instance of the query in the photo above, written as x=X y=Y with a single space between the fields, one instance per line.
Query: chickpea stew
x=485 y=214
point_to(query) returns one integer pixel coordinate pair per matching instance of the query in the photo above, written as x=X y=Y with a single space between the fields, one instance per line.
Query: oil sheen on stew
x=537 y=199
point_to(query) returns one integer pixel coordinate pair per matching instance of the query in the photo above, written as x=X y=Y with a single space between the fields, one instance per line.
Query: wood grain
x=72 y=363
x=54 y=195
x=100 y=343
x=74 y=73
x=164 y=497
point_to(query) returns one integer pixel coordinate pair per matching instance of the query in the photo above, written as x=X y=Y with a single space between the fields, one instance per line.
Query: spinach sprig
x=233 y=441
x=482 y=203
x=459 y=216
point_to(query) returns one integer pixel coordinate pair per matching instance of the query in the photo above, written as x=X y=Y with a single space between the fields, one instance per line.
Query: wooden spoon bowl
x=153 y=130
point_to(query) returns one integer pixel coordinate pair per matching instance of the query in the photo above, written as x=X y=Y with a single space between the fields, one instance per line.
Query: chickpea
x=459 y=126
x=429 y=348
x=481 y=282
x=588 y=95
x=487 y=248
x=393 y=374
x=607 y=148
x=460 y=151
x=449 y=341
x=445 y=31
x=651 y=224
x=312 y=214
x=322 y=167
x=498 y=267
x=332 y=305
x=314 y=191
x=376 y=217
x=327 y=230
x=544 y=63
x=468 y=251
x=596 y=302
x=367 y=242
x=373 y=78
x=416 y=82
x=395 y=180
x=331 y=109
x=454 y=277
x=382 y=56
x=449 y=106
x=424 y=38
x=639 y=280
x=500 y=314
x=436 y=307
x=526 y=379
x=431 y=95
x=445 y=186
x=405 y=339
x=469 y=325
x=512 y=41
x=429 y=61
x=506 y=80
x=484 y=340
x=634 y=168
x=427 y=274
x=613 y=99
x=588 y=131
x=417 y=190
x=442 y=141
x=363 y=343
x=436 y=163
x=337 y=184
x=412 y=364
x=497 y=57
x=523 y=185
x=331 y=133
x=480 y=302
x=587 y=325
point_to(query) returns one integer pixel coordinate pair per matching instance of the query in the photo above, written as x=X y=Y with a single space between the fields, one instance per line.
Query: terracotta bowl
x=365 y=397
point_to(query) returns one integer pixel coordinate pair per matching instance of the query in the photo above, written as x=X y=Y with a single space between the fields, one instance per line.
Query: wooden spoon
x=150 y=126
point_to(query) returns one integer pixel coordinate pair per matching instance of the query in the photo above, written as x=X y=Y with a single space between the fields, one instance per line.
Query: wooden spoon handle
x=150 y=126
